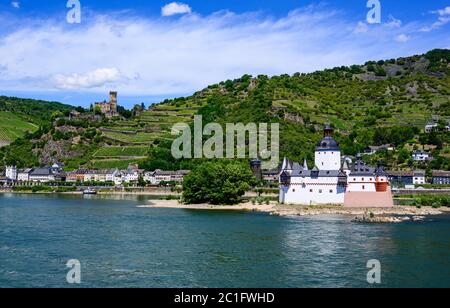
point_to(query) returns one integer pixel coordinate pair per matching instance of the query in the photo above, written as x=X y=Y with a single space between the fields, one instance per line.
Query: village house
x=11 y=173
x=45 y=175
x=131 y=175
x=24 y=175
x=90 y=176
x=111 y=175
x=179 y=175
x=370 y=150
x=419 y=177
x=430 y=127
x=405 y=178
x=76 y=176
x=441 y=177
x=421 y=156
x=400 y=178
x=158 y=176
x=271 y=176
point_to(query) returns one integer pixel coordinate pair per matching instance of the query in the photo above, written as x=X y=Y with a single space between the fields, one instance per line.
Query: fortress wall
x=368 y=199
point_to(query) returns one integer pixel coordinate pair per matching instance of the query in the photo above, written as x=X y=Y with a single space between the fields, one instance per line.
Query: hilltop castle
x=109 y=108
x=333 y=182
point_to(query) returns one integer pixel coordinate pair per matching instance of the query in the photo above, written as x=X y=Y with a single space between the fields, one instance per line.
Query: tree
x=219 y=182
x=97 y=110
x=141 y=181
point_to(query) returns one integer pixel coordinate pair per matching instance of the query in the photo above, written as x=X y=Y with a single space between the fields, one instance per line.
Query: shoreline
x=299 y=210
x=273 y=208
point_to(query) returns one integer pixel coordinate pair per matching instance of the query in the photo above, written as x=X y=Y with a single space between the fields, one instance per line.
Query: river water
x=121 y=245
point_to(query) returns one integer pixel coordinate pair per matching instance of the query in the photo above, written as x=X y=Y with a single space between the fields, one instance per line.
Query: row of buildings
x=54 y=173
x=403 y=178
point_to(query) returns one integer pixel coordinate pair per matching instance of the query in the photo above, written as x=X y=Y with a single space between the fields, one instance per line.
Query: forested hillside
x=376 y=103
x=19 y=116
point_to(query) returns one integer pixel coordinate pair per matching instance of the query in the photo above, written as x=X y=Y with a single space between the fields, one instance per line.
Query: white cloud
x=15 y=4
x=443 y=19
x=402 y=38
x=393 y=22
x=444 y=12
x=96 y=78
x=361 y=27
x=175 y=8
x=142 y=56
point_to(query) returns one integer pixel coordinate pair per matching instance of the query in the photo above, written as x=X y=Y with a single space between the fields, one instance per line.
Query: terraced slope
x=129 y=141
x=13 y=126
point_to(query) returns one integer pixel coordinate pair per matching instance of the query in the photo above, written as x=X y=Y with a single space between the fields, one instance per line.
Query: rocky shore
x=362 y=215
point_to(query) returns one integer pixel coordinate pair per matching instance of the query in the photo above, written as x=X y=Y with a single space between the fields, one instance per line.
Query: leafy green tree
x=218 y=182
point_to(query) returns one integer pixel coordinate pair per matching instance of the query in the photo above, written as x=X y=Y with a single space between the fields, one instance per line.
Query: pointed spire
x=305 y=165
x=286 y=164
x=345 y=165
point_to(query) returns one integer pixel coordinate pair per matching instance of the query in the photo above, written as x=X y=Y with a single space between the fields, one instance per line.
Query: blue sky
x=148 y=53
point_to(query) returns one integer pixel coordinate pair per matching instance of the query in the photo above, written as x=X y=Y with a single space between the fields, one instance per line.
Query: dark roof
x=41 y=172
x=360 y=168
x=400 y=173
x=328 y=144
x=441 y=173
x=420 y=153
x=379 y=171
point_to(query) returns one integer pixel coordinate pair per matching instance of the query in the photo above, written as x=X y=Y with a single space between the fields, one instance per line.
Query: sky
x=150 y=50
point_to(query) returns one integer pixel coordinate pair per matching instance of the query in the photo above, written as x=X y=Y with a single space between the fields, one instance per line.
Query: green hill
x=379 y=102
x=14 y=126
x=18 y=116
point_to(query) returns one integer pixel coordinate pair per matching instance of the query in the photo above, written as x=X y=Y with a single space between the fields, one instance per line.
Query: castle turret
x=381 y=179
x=113 y=101
x=255 y=165
x=305 y=165
x=328 y=153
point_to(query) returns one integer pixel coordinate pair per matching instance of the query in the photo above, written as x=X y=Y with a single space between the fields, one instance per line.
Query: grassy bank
x=435 y=201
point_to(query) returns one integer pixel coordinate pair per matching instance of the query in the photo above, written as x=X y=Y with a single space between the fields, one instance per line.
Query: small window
x=310 y=190
x=331 y=191
x=364 y=187
x=293 y=190
x=320 y=191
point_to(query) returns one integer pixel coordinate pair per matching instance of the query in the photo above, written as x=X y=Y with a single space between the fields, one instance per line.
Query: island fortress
x=331 y=181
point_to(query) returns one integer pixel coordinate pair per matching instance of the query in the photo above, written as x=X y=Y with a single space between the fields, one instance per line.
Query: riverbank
x=298 y=210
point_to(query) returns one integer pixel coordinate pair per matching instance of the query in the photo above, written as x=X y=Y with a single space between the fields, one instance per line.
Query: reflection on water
x=119 y=244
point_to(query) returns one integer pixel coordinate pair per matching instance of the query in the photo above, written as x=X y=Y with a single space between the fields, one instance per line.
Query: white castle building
x=333 y=182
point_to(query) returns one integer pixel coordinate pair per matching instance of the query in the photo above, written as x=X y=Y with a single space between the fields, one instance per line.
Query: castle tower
x=382 y=181
x=255 y=165
x=113 y=101
x=328 y=153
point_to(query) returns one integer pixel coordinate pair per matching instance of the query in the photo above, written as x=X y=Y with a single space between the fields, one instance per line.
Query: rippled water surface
x=120 y=245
